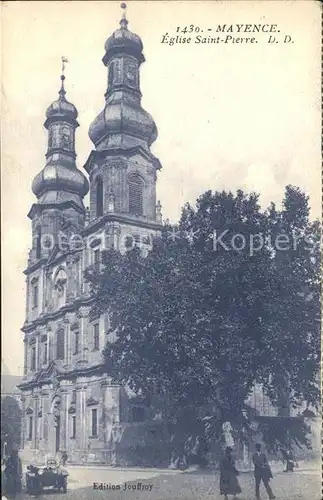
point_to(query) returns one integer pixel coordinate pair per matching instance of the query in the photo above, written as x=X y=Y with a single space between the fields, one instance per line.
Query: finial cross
x=124 y=21
x=64 y=61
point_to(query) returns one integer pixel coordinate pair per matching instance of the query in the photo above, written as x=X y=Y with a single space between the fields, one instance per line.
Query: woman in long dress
x=229 y=484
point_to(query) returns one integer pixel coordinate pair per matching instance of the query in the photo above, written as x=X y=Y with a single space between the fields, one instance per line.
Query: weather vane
x=64 y=61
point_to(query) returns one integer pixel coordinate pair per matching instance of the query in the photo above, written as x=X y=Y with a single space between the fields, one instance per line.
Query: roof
x=9 y=384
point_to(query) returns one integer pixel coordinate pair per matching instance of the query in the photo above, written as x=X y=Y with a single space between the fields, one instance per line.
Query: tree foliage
x=10 y=423
x=203 y=317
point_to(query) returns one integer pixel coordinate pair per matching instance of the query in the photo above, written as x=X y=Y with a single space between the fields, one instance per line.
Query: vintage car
x=40 y=478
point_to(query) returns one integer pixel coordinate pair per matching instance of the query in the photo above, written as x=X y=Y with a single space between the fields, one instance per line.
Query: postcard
x=161 y=201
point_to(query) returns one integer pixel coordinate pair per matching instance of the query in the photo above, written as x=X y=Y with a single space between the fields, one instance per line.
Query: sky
x=229 y=116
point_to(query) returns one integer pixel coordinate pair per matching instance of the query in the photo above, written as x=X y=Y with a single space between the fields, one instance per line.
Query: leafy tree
x=216 y=306
x=10 y=424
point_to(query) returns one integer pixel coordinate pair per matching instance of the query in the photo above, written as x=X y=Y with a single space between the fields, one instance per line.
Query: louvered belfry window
x=136 y=187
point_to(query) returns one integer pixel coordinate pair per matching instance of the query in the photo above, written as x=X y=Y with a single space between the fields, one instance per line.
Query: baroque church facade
x=68 y=400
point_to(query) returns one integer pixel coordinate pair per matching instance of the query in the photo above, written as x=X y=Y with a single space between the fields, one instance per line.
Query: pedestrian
x=64 y=458
x=13 y=474
x=289 y=461
x=229 y=484
x=262 y=472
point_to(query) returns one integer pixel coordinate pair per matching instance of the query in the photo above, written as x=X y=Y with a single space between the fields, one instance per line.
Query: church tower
x=60 y=187
x=69 y=401
x=122 y=168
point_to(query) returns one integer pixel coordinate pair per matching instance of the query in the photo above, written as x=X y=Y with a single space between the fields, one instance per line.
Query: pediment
x=29 y=411
x=72 y=409
x=50 y=372
x=92 y=402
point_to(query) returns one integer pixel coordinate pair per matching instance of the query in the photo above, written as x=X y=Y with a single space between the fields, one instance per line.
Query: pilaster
x=37 y=350
x=25 y=355
x=64 y=416
x=83 y=314
x=35 y=418
x=81 y=436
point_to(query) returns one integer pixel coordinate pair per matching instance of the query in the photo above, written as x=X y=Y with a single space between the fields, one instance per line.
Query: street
x=155 y=484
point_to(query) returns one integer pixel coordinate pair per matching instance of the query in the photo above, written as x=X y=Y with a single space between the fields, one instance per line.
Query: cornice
x=121 y=218
x=37 y=208
x=71 y=374
x=43 y=320
x=122 y=152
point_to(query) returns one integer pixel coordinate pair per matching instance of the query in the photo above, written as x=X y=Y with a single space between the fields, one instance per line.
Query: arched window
x=38 y=242
x=99 y=197
x=60 y=345
x=136 y=188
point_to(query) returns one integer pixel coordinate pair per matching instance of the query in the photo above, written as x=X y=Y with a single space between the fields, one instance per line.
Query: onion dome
x=122 y=118
x=60 y=178
x=123 y=41
x=61 y=108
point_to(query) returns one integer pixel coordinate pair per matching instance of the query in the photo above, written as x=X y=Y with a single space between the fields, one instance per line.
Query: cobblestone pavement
x=165 y=485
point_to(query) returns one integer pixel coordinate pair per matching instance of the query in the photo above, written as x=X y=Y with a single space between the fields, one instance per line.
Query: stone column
x=86 y=262
x=67 y=338
x=37 y=350
x=49 y=291
x=116 y=235
x=77 y=280
x=84 y=325
x=81 y=420
x=25 y=355
x=41 y=292
x=64 y=414
x=27 y=298
x=23 y=421
x=46 y=418
x=51 y=342
x=35 y=418
x=69 y=317
x=70 y=279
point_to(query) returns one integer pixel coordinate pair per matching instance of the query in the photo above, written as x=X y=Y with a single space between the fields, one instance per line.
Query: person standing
x=229 y=484
x=262 y=472
x=64 y=458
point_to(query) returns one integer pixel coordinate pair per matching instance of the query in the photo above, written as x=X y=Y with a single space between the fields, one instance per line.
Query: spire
x=62 y=91
x=61 y=108
x=124 y=21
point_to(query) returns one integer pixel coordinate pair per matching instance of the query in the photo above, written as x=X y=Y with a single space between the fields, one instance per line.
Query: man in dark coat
x=262 y=472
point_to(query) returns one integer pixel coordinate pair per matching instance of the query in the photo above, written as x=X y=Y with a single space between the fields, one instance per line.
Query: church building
x=68 y=400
